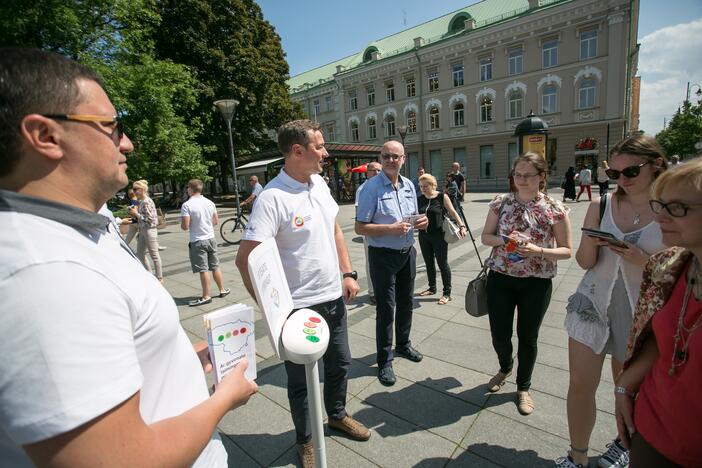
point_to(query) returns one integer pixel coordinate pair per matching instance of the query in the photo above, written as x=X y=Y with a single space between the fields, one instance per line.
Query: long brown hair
x=537 y=161
x=644 y=146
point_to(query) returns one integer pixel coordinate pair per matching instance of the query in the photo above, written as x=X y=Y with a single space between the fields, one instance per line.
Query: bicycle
x=232 y=229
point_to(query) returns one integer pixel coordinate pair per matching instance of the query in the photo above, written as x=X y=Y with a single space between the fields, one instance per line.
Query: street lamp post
x=227 y=107
x=402 y=130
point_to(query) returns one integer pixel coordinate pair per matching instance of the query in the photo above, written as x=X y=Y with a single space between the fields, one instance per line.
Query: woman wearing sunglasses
x=599 y=314
x=657 y=402
x=530 y=232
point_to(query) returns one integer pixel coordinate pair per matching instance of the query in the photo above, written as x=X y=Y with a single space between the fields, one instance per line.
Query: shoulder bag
x=476 y=292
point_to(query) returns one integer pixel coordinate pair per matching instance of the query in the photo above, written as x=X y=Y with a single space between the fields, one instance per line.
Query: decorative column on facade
x=616 y=73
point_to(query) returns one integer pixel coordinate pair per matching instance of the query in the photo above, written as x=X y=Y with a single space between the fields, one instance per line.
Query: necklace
x=637 y=215
x=679 y=357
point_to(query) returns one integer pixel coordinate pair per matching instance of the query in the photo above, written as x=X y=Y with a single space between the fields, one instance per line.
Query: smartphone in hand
x=605 y=236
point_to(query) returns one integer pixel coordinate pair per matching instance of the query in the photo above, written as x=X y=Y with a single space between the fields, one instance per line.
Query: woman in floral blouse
x=599 y=313
x=529 y=231
x=657 y=397
x=148 y=234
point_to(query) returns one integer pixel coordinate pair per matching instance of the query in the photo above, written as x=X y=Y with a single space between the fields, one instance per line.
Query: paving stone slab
x=395 y=442
x=421 y=405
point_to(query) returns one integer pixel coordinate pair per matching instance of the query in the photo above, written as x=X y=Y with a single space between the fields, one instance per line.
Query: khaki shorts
x=203 y=255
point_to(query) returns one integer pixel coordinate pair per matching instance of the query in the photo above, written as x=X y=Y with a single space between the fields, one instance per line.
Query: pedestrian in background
x=585 y=180
x=434 y=205
x=569 y=184
x=603 y=178
x=460 y=180
x=147 y=217
x=599 y=314
x=198 y=216
x=133 y=220
x=530 y=232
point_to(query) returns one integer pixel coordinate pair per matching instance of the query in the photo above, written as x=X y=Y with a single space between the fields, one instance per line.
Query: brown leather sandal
x=427 y=292
x=498 y=381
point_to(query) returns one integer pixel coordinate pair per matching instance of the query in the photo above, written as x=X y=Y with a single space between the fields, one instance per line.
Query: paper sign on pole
x=271 y=288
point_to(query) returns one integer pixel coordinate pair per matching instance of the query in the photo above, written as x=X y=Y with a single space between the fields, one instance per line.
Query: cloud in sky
x=668 y=59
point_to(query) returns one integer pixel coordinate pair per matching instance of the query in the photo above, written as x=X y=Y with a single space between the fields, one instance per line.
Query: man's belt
x=392 y=251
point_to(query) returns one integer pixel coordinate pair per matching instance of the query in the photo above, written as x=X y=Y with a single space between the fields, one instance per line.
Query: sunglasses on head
x=630 y=172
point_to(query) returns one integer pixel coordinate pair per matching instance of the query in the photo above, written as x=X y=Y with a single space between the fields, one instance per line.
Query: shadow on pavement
x=503 y=455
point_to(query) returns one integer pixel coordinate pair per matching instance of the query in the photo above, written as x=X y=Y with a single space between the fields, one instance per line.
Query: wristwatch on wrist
x=351 y=274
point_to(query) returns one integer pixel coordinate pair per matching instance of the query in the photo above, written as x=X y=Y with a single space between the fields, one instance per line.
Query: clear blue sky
x=316 y=32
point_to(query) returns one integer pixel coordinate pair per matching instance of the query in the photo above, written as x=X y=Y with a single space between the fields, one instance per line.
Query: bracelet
x=625 y=391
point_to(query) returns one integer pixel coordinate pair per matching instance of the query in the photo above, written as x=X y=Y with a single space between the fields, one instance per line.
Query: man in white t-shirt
x=95 y=366
x=256 y=189
x=199 y=216
x=372 y=170
x=297 y=209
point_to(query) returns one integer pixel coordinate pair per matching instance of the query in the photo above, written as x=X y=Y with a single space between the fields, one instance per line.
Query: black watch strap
x=351 y=274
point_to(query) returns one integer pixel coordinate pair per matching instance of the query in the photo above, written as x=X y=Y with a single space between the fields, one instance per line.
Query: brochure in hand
x=230 y=337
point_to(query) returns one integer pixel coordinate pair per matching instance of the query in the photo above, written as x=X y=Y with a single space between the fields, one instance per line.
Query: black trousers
x=392 y=273
x=433 y=247
x=604 y=188
x=337 y=362
x=531 y=297
x=643 y=455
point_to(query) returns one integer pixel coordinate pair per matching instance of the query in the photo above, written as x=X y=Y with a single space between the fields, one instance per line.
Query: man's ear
x=43 y=135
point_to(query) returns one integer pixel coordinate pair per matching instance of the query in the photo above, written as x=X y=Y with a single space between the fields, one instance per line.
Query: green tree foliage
x=164 y=62
x=683 y=131
x=236 y=54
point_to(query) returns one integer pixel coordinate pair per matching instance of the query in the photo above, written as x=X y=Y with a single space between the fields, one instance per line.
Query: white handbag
x=451 y=231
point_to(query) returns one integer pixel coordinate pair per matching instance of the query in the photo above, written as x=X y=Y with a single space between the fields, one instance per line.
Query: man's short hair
x=296 y=132
x=195 y=185
x=33 y=81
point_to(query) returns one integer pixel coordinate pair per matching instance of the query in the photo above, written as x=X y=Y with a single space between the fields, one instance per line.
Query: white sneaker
x=616 y=456
x=566 y=462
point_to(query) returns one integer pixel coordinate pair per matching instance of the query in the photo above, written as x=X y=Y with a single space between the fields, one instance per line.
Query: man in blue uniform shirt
x=387 y=215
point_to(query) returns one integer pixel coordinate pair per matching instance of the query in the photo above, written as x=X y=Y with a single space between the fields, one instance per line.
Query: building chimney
x=339 y=68
x=418 y=42
x=533 y=4
x=470 y=24
x=375 y=55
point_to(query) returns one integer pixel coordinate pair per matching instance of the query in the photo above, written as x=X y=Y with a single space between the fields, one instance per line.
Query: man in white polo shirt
x=199 y=216
x=95 y=366
x=297 y=209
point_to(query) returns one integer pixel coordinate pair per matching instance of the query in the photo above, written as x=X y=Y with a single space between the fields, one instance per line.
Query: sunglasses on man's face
x=630 y=172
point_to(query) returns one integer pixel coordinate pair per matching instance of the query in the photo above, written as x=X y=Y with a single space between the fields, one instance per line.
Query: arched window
x=434 y=118
x=411 y=122
x=516 y=104
x=390 y=125
x=371 y=129
x=354 y=130
x=549 y=99
x=586 y=94
x=486 y=109
x=459 y=115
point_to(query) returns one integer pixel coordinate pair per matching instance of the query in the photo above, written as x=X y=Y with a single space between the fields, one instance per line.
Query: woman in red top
x=657 y=401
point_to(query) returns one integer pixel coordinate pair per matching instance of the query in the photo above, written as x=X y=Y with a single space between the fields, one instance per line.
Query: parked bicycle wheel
x=232 y=230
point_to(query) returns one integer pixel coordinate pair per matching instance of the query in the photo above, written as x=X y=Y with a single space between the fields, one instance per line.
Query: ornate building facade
x=462 y=82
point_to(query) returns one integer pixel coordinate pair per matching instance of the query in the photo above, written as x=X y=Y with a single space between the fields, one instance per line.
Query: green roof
x=484 y=13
